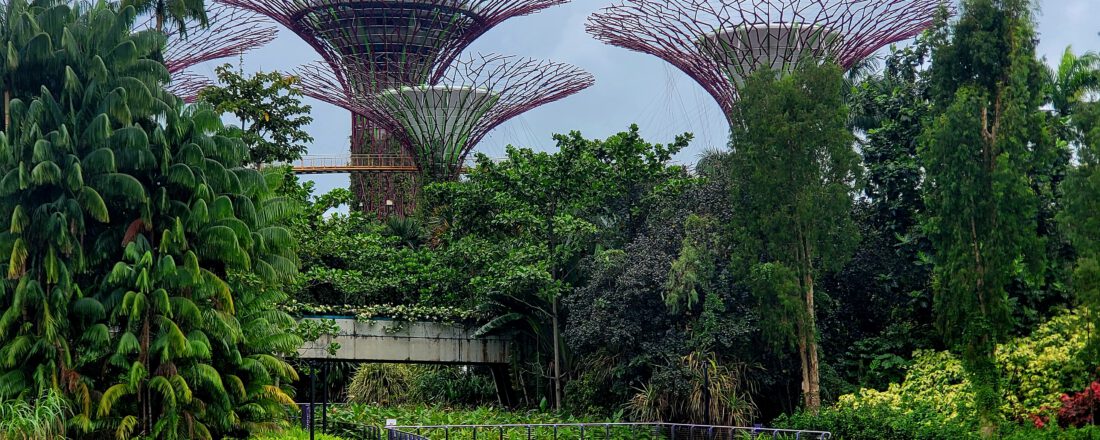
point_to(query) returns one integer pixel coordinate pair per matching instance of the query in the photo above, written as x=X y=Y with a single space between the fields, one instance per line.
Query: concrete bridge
x=385 y=341
x=388 y=341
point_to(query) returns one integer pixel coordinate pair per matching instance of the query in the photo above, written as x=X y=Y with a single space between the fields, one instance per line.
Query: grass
x=42 y=419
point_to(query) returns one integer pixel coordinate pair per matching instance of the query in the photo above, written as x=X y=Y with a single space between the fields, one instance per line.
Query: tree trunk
x=803 y=354
x=7 y=110
x=557 y=357
x=813 y=377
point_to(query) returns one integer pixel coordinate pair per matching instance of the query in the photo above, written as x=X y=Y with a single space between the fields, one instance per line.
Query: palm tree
x=175 y=13
x=1075 y=77
x=128 y=213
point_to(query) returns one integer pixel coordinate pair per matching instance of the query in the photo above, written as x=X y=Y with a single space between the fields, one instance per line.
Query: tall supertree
x=440 y=122
x=720 y=42
x=373 y=45
x=229 y=32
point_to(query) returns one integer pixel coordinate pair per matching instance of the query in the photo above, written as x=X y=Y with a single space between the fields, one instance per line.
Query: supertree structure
x=720 y=42
x=419 y=38
x=440 y=122
x=229 y=32
x=187 y=85
x=374 y=45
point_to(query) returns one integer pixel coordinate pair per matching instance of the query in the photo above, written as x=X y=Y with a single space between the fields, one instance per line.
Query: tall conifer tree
x=977 y=152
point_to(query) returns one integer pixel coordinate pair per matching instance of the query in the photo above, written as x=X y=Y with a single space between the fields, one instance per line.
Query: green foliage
x=404 y=384
x=178 y=14
x=918 y=423
x=294 y=433
x=270 y=109
x=1079 y=219
x=400 y=312
x=977 y=152
x=347 y=417
x=793 y=179
x=877 y=422
x=715 y=394
x=691 y=272
x=382 y=384
x=879 y=305
x=43 y=418
x=454 y=385
x=144 y=262
x=1035 y=371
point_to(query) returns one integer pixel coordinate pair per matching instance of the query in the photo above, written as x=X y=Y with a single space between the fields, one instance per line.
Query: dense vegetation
x=908 y=254
x=143 y=261
x=936 y=281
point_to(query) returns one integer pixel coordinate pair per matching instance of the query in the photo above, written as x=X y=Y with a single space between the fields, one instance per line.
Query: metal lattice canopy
x=441 y=122
x=413 y=40
x=720 y=42
x=230 y=32
x=187 y=85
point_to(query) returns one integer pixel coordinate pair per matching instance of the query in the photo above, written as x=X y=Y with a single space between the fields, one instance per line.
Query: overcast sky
x=630 y=87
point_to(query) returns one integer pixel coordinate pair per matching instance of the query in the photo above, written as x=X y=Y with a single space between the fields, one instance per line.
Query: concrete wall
x=414 y=342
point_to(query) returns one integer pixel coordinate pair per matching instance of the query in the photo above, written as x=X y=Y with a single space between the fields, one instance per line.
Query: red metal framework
x=441 y=122
x=377 y=34
x=718 y=42
x=187 y=85
x=230 y=32
x=382 y=44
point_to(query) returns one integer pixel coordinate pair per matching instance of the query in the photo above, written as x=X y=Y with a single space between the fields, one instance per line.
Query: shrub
x=1031 y=433
x=879 y=422
x=679 y=393
x=1039 y=368
x=451 y=385
x=294 y=433
x=41 y=419
x=915 y=423
x=349 y=420
x=935 y=381
x=1081 y=408
x=384 y=384
x=1036 y=371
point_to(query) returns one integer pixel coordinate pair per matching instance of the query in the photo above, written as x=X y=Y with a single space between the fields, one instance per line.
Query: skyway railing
x=348 y=163
x=380 y=163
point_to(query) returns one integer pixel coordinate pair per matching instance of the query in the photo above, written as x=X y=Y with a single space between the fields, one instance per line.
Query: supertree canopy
x=419 y=37
x=229 y=32
x=441 y=122
x=720 y=42
x=370 y=46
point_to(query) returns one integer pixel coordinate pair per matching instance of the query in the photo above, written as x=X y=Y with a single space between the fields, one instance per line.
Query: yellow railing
x=354 y=162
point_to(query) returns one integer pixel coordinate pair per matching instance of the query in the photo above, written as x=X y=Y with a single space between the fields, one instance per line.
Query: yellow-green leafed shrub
x=935 y=381
x=1036 y=370
x=1039 y=368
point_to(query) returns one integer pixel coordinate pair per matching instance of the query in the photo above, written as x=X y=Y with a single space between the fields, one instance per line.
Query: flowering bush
x=1081 y=408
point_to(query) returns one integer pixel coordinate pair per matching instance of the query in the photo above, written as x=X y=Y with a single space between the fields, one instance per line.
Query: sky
x=631 y=88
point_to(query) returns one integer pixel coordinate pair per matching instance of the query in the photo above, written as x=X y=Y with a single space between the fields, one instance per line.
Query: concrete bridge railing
x=411 y=342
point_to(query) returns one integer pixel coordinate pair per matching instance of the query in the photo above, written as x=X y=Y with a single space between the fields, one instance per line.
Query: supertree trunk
x=384 y=194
